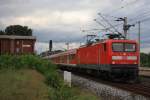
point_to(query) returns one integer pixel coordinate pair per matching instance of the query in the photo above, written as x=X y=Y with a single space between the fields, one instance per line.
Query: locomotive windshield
x=123 y=47
x=117 y=47
x=129 y=47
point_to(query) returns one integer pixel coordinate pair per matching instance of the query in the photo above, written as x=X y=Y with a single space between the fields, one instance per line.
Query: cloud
x=145 y=50
x=41 y=47
x=64 y=20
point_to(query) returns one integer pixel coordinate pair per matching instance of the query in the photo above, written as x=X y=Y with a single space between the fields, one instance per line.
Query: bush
x=145 y=60
x=60 y=91
x=33 y=62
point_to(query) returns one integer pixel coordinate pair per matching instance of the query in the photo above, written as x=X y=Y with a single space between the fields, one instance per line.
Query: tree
x=145 y=59
x=18 y=30
x=2 y=32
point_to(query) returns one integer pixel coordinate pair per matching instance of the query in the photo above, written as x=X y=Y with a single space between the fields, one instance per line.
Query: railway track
x=135 y=88
x=142 y=88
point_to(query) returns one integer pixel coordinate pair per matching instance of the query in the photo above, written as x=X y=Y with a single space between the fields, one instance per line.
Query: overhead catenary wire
x=113 y=26
x=133 y=20
x=142 y=20
x=124 y=6
x=145 y=14
x=121 y=7
x=105 y=28
x=139 y=16
x=108 y=22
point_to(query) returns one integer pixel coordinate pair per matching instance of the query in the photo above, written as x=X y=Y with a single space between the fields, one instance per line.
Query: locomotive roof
x=120 y=40
x=108 y=40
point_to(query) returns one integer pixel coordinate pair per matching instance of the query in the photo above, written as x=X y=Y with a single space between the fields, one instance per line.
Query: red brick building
x=10 y=44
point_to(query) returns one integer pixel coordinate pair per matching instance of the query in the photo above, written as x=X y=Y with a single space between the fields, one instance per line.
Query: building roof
x=17 y=37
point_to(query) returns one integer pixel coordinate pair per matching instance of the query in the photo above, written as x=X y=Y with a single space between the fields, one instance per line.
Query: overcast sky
x=63 y=20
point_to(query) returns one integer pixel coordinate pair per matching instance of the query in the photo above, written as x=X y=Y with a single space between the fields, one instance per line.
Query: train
x=115 y=59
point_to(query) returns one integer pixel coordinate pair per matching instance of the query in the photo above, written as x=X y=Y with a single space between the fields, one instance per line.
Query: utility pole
x=126 y=26
x=139 y=39
x=67 y=55
x=50 y=45
x=67 y=45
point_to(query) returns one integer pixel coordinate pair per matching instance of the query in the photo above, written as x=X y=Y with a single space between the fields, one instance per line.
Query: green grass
x=22 y=85
x=20 y=80
x=27 y=84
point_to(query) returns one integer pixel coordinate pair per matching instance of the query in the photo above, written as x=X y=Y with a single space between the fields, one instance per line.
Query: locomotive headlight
x=113 y=62
x=131 y=57
x=116 y=57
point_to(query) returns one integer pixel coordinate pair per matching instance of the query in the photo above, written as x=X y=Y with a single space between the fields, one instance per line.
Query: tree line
x=17 y=30
x=145 y=60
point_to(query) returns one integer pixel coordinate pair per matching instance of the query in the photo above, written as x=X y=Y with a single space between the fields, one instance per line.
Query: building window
x=17 y=50
x=17 y=42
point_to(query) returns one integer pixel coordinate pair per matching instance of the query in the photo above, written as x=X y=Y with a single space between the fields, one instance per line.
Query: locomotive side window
x=72 y=56
x=129 y=47
x=118 y=47
x=61 y=59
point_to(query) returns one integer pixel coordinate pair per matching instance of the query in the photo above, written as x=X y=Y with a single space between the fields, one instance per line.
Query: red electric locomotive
x=114 y=58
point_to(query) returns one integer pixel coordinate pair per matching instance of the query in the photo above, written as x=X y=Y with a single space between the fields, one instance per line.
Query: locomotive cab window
x=118 y=47
x=124 y=47
x=129 y=47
